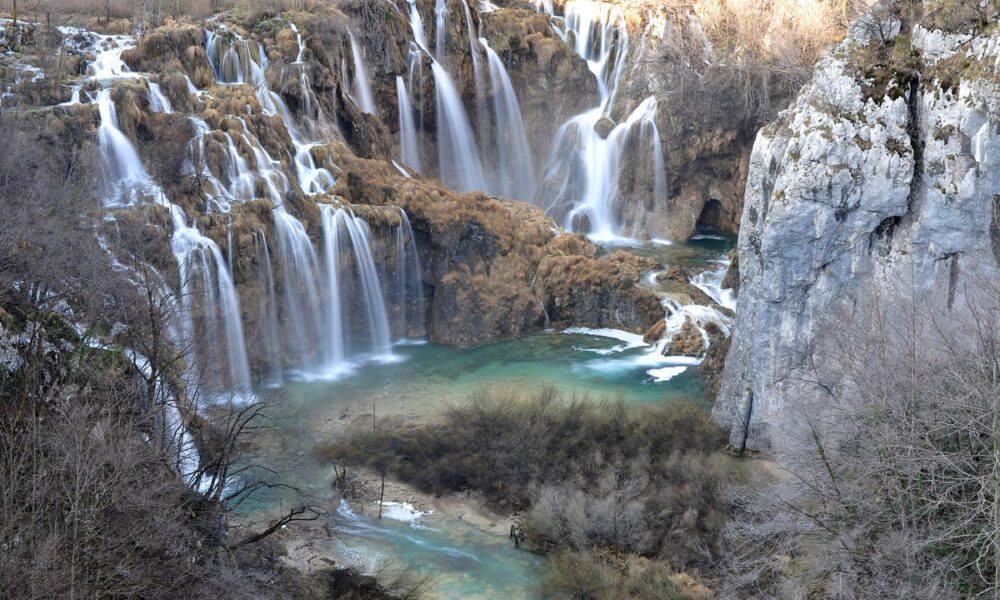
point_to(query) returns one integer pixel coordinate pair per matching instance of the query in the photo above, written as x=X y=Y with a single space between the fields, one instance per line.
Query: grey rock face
x=839 y=210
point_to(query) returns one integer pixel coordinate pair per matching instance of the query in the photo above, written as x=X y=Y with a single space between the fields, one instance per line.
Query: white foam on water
x=401 y=511
x=666 y=373
x=633 y=340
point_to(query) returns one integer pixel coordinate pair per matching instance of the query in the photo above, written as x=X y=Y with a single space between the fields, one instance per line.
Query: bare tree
x=895 y=492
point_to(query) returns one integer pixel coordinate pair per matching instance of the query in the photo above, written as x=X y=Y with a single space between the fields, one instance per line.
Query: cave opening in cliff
x=712 y=216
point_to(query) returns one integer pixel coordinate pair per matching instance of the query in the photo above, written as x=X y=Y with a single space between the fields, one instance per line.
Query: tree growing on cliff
x=896 y=493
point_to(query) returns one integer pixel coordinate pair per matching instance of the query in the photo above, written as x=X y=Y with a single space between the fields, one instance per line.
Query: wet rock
x=687 y=342
x=675 y=273
x=603 y=127
x=655 y=333
x=712 y=365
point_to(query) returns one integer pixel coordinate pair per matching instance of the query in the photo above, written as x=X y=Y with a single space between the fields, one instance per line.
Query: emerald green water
x=421 y=380
x=574 y=364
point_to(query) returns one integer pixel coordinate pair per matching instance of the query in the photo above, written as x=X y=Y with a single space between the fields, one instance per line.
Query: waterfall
x=407 y=128
x=345 y=233
x=581 y=185
x=515 y=177
x=417 y=25
x=298 y=267
x=477 y=78
x=362 y=88
x=239 y=63
x=302 y=46
x=188 y=243
x=269 y=307
x=124 y=168
x=458 y=158
x=602 y=40
x=440 y=19
x=409 y=280
x=157 y=101
x=415 y=79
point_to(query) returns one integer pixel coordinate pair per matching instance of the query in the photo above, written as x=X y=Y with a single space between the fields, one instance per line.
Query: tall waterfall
x=346 y=235
x=458 y=157
x=440 y=20
x=409 y=281
x=269 y=308
x=515 y=174
x=466 y=146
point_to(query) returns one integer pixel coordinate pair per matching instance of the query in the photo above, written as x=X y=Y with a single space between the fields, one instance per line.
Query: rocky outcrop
x=880 y=182
x=579 y=290
x=705 y=137
x=495 y=268
x=553 y=82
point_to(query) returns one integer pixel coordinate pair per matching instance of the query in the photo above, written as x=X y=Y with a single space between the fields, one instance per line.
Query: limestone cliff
x=882 y=178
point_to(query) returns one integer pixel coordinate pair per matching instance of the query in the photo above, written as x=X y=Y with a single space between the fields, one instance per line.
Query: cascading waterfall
x=315 y=290
x=584 y=195
x=515 y=175
x=240 y=63
x=580 y=187
x=417 y=25
x=601 y=39
x=157 y=101
x=125 y=171
x=408 y=153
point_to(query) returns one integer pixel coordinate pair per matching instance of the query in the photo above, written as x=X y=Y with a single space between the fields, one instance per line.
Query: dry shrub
x=585 y=575
x=646 y=480
x=763 y=51
x=892 y=486
x=777 y=32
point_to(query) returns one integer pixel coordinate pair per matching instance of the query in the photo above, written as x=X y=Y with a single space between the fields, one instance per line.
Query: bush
x=892 y=490
x=587 y=576
x=646 y=480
